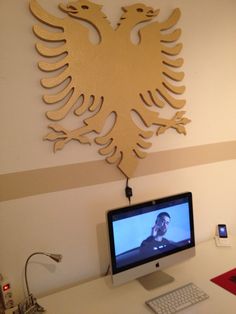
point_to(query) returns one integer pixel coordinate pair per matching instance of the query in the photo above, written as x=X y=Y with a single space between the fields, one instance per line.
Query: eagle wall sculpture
x=132 y=81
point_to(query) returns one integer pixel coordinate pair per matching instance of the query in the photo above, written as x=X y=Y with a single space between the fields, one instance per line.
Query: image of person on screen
x=156 y=241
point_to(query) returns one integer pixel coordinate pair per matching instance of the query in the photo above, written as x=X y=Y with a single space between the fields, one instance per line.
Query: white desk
x=99 y=297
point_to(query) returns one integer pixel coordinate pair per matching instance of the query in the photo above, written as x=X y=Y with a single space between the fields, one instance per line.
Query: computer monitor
x=146 y=238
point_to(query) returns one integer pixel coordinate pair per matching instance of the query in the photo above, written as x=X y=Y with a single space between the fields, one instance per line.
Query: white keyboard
x=177 y=300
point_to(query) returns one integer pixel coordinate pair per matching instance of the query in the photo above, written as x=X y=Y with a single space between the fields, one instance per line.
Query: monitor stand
x=155 y=280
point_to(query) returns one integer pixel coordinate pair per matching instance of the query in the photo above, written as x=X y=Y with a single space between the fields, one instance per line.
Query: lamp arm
x=26 y=269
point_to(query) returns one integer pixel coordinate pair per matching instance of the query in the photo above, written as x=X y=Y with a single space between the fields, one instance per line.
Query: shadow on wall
x=103 y=251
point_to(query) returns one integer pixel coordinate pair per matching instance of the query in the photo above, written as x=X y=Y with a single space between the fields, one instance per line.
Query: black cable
x=128 y=191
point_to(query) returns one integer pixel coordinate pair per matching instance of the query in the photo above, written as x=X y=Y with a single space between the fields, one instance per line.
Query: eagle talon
x=177 y=122
x=62 y=136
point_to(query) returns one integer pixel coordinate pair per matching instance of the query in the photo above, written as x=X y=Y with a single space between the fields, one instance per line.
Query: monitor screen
x=150 y=236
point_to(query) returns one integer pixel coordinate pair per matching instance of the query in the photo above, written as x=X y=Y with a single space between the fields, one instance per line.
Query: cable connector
x=128 y=191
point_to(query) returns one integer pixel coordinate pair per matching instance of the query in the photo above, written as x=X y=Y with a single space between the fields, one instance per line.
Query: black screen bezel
x=126 y=210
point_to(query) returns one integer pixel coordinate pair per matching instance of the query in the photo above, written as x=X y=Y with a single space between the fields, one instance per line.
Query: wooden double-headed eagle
x=113 y=77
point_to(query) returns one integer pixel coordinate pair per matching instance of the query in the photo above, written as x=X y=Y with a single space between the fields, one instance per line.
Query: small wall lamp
x=30 y=305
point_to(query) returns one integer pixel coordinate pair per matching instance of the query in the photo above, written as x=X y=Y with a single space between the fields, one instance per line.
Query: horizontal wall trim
x=47 y=180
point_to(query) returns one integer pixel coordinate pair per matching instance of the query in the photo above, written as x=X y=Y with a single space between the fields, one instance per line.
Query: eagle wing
x=162 y=48
x=69 y=53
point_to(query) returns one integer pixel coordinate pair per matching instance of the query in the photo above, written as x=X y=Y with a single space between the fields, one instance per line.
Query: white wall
x=71 y=222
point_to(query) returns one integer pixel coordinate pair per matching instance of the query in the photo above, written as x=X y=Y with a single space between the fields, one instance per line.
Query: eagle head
x=139 y=12
x=82 y=9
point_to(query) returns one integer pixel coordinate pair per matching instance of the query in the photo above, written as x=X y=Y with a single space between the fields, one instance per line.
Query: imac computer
x=146 y=238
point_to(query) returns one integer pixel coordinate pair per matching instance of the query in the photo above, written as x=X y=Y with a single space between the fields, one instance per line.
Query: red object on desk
x=227 y=280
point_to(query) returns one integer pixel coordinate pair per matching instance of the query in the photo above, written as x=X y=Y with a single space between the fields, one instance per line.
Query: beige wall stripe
x=47 y=180
x=187 y=157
